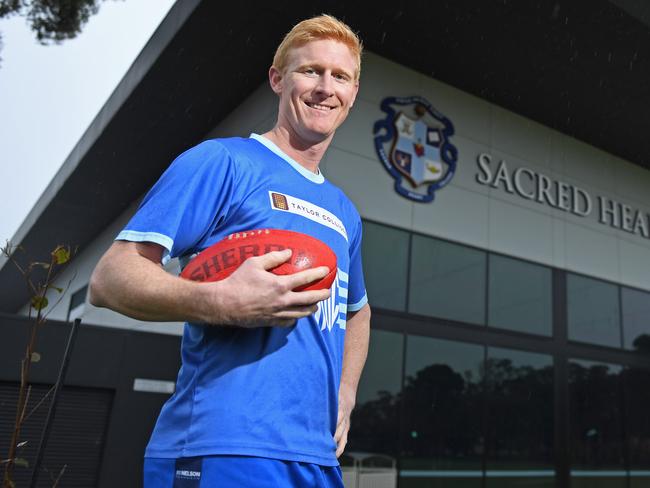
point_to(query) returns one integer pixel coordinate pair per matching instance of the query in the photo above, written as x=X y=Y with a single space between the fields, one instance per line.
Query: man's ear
x=275 y=80
x=354 y=97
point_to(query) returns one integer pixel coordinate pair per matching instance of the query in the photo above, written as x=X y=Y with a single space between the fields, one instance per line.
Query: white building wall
x=77 y=275
x=464 y=211
x=491 y=218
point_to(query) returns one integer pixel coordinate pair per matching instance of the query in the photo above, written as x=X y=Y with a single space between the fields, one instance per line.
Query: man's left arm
x=357 y=337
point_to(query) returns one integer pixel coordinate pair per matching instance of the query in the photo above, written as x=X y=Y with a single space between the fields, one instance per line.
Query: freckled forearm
x=357 y=338
x=128 y=283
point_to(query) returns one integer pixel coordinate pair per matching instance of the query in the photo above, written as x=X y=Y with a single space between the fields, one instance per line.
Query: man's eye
x=309 y=71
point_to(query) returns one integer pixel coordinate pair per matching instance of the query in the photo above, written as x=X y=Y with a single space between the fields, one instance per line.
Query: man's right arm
x=130 y=279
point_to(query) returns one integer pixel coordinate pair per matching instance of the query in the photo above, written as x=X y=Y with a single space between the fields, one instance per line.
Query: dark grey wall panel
x=102 y=425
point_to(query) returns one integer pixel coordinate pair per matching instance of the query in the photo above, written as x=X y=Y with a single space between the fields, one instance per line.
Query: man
x=265 y=392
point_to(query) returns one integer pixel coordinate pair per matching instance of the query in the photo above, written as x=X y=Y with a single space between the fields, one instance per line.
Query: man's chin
x=317 y=135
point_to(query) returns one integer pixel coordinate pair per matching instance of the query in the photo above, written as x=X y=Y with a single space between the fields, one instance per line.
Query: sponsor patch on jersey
x=287 y=203
x=279 y=201
x=188 y=472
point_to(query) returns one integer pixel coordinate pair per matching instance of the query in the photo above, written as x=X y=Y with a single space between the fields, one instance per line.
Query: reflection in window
x=420 y=479
x=636 y=320
x=596 y=425
x=519 y=296
x=584 y=479
x=637 y=402
x=375 y=420
x=593 y=311
x=447 y=280
x=639 y=480
x=442 y=413
x=385 y=264
x=519 y=431
x=533 y=479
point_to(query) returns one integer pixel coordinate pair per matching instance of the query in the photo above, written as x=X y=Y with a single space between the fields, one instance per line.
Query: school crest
x=413 y=143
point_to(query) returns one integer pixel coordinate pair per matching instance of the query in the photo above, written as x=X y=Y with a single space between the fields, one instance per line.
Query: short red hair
x=317 y=28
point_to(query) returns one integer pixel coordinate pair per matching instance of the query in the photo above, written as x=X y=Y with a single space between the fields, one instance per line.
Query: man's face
x=316 y=90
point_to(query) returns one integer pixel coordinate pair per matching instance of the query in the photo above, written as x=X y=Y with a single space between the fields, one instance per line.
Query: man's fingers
x=340 y=446
x=309 y=297
x=305 y=277
x=277 y=303
x=338 y=433
x=340 y=426
x=272 y=259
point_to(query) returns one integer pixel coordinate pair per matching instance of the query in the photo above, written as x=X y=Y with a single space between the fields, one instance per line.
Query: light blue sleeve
x=191 y=197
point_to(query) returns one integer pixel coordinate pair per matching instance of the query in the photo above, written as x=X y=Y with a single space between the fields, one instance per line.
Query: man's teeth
x=319 y=107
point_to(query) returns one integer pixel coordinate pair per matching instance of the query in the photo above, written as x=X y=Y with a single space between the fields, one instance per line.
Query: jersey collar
x=316 y=178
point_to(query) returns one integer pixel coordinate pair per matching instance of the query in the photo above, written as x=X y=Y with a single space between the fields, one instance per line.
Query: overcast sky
x=50 y=94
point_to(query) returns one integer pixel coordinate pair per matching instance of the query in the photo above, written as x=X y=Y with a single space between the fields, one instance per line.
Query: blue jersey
x=267 y=391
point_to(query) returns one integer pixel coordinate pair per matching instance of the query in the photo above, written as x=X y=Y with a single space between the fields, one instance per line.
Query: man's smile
x=318 y=106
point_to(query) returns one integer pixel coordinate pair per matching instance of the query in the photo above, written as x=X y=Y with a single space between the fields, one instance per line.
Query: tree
x=39 y=276
x=53 y=21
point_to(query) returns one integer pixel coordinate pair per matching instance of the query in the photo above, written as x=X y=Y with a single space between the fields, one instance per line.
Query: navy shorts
x=238 y=472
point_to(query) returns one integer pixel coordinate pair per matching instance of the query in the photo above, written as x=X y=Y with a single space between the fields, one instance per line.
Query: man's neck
x=308 y=155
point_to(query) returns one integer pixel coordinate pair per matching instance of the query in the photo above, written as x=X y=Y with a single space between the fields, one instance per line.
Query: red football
x=220 y=260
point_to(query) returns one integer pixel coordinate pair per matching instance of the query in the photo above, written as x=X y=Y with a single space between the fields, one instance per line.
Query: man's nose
x=326 y=84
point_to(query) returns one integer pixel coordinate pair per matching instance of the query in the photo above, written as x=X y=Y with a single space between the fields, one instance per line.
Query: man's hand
x=253 y=296
x=346 y=405
x=130 y=279
x=357 y=335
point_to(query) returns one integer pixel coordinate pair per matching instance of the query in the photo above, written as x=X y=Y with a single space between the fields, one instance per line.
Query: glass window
x=447 y=280
x=375 y=419
x=593 y=311
x=519 y=296
x=77 y=301
x=640 y=480
x=637 y=407
x=423 y=479
x=443 y=403
x=595 y=417
x=520 y=427
x=636 y=320
x=385 y=265
x=587 y=479
x=78 y=297
x=531 y=480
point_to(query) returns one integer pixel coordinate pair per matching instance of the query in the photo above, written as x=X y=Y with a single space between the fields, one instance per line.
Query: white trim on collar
x=316 y=178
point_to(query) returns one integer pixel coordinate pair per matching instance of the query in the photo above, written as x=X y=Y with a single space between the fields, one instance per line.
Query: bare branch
x=38 y=301
x=67 y=287
x=22 y=414
x=58 y=478
x=40 y=402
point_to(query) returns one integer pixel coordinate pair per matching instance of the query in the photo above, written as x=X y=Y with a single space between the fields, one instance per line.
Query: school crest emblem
x=413 y=143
